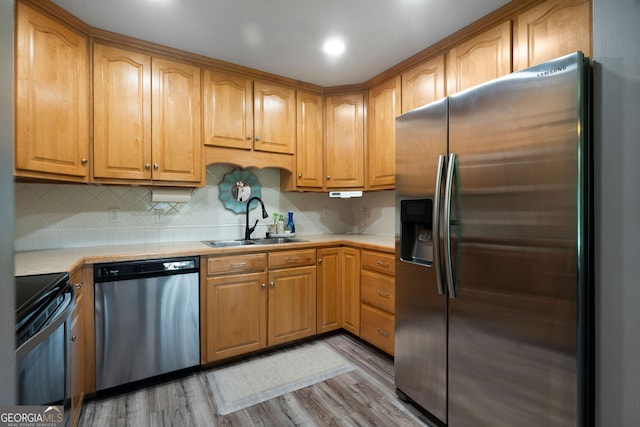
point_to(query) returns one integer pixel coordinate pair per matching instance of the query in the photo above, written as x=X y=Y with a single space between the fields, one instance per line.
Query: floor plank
x=363 y=397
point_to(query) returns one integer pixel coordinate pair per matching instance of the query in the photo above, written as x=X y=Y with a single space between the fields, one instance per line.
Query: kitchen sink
x=228 y=243
x=276 y=240
x=243 y=242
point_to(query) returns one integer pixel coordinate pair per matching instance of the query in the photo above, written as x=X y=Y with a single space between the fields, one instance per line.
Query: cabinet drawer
x=292 y=258
x=236 y=263
x=378 y=261
x=378 y=290
x=377 y=327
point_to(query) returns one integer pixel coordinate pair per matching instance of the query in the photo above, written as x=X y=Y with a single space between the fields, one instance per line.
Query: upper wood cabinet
x=309 y=141
x=52 y=95
x=423 y=84
x=552 y=29
x=246 y=114
x=121 y=113
x=384 y=104
x=176 y=143
x=146 y=118
x=344 y=155
x=480 y=59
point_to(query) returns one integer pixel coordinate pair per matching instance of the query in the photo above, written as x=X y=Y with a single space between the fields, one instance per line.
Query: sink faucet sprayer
x=247 y=230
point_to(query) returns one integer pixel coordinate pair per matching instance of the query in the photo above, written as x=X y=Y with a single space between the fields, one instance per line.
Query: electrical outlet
x=158 y=215
x=365 y=212
x=114 y=215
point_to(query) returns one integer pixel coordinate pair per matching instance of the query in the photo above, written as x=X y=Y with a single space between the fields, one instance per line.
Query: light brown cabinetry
x=350 y=279
x=52 y=96
x=292 y=295
x=78 y=345
x=480 y=59
x=246 y=114
x=377 y=284
x=310 y=142
x=329 y=289
x=552 y=29
x=344 y=150
x=233 y=306
x=146 y=118
x=424 y=83
x=384 y=104
x=247 y=307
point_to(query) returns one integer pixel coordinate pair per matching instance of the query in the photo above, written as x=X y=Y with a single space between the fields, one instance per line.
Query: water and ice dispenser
x=416 y=226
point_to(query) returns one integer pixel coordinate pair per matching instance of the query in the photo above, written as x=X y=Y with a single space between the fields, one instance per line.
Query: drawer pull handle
x=383 y=264
x=292 y=259
x=383 y=294
x=238 y=265
x=383 y=332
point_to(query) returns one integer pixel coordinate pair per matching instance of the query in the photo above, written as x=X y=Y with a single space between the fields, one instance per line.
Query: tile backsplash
x=69 y=215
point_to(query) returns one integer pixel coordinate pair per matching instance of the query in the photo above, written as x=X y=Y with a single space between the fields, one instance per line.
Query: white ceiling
x=285 y=37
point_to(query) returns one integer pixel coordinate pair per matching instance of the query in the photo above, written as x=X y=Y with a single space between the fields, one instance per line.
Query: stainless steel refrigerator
x=494 y=245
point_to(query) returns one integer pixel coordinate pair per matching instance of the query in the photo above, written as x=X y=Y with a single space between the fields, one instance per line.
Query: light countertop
x=70 y=259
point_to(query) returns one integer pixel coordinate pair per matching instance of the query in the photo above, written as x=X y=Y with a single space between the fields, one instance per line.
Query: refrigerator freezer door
x=421 y=319
x=513 y=338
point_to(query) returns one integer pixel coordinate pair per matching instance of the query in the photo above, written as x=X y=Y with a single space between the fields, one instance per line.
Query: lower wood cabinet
x=377 y=293
x=77 y=349
x=350 y=278
x=251 y=301
x=329 y=290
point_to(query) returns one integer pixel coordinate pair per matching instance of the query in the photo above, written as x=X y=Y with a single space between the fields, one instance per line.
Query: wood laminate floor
x=363 y=397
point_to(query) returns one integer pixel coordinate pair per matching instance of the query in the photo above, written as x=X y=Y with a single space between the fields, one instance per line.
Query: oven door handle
x=49 y=328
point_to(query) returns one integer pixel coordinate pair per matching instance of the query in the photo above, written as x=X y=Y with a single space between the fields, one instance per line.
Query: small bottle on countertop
x=290 y=227
x=280 y=225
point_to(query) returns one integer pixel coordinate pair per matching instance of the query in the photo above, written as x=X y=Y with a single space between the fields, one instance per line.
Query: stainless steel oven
x=43 y=316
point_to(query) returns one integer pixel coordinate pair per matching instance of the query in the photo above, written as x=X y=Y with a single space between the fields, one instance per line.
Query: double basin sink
x=242 y=242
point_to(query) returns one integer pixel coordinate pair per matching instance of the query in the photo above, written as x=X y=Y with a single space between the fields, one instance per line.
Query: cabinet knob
x=319 y=260
x=328 y=176
x=74 y=338
x=147 y=166
x=272 y=284
x=299 y=175
x=78 y=286
x=156 y=166
x=249 y=137
x=257 y=138
x=264 y=285
x=84 y=161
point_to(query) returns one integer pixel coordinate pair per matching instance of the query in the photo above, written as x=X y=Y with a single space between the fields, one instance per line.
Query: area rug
x=248 y=383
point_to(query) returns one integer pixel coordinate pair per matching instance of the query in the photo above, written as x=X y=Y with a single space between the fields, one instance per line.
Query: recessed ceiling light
x=333 y=46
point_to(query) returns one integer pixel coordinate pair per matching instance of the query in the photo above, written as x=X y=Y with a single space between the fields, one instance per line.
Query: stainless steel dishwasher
x=147 y=319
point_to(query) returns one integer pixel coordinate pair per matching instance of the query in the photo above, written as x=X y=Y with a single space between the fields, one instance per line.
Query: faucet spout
x=248 y=230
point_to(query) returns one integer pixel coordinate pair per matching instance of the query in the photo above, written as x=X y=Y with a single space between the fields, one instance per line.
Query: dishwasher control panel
x=107 y=272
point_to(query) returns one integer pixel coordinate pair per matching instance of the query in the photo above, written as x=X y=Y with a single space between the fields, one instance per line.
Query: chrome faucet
x=247 y=230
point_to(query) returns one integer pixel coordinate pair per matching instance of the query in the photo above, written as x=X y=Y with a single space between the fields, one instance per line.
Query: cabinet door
x=552 y=29
x=228 y=110
x=176 y=136
x=274 y=120
x=351 y=290
x=309 y=141
x=52 y=94
x=345 y=141
x=121 y=113
x=384 y=106
x=329 y=290
x=236 y=315
x=423 y=84
x=483 y=58
x=292 y=304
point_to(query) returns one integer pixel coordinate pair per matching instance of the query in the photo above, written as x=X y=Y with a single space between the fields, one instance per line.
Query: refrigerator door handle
x=436 y=224
x=447 y=226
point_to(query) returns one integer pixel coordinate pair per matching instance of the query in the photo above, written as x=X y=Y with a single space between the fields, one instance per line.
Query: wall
x=66 y=215
x=617 y=80
x=7 y=299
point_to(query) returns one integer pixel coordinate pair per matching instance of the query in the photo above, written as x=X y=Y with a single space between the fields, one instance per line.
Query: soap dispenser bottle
x=290 y=225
